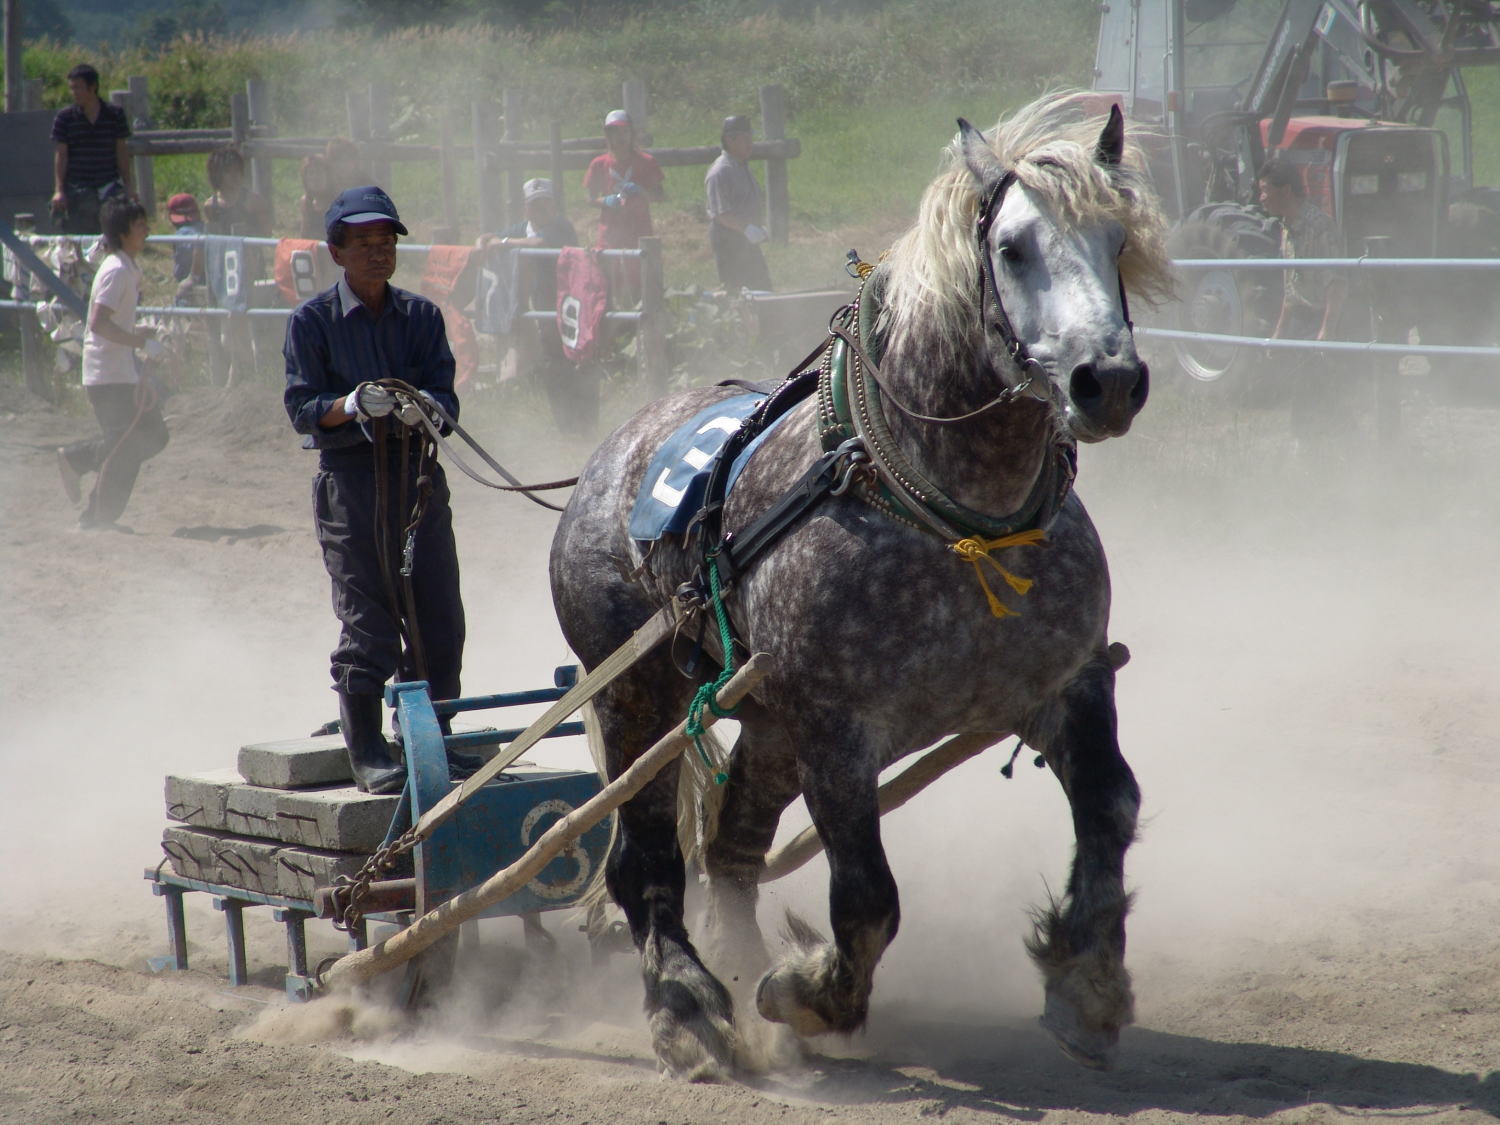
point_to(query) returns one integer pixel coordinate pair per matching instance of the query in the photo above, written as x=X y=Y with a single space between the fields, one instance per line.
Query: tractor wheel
x=1227 y=301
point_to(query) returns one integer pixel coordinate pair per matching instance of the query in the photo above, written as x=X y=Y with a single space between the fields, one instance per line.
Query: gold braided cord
x=975 y=550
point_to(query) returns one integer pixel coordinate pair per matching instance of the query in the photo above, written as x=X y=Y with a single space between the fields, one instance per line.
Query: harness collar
x=850 y=405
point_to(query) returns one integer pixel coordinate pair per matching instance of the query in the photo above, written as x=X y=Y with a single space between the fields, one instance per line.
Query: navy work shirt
x=333 y=344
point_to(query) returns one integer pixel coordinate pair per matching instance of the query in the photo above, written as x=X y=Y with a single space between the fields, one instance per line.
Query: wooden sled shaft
x=438 y=923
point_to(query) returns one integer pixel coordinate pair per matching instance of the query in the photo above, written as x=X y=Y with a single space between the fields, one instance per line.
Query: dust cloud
x=1308 y=711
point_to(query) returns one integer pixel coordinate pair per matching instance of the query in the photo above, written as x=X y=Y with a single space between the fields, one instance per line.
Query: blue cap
x=362 y=205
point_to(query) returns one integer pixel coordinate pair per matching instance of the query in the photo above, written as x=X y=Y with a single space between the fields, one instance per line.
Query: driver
x=337 y=345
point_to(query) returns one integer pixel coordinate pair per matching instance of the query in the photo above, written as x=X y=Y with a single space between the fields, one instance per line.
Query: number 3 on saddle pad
x=672 y=490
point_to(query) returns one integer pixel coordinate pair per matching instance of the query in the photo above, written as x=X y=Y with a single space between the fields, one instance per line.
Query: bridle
x=989 y=290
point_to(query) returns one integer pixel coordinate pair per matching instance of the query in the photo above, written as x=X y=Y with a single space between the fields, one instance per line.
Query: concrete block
x=250 y=810
x=300 y=870
x=296 y=763
x=199 y=798
x=340 y=820
x=217 y=857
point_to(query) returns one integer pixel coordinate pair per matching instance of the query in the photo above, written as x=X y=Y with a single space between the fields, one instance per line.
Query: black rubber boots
x=371 y=759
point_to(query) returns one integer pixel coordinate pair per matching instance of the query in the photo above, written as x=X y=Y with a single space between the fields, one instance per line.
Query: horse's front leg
x=690 y=1013
x=1079 y=943
x=825 y=987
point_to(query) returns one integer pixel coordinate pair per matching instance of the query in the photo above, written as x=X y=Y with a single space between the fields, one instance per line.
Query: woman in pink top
x=127 y=408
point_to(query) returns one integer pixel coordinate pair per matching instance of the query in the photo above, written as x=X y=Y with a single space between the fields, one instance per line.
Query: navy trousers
x=370 y=651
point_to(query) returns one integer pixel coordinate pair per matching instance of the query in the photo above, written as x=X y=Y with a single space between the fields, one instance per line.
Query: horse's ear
x=978 y=155
x=1111 y=145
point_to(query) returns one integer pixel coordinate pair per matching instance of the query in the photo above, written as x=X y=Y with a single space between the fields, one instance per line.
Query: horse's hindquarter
x=887 y=625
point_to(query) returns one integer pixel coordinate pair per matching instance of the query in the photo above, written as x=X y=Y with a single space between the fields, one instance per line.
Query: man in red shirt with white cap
x=622 y=183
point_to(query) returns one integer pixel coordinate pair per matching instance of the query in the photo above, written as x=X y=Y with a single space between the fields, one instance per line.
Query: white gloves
x=755 y=234
x=369 y=400
x=411 y=414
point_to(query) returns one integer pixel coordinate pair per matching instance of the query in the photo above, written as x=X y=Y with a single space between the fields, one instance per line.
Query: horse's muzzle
x=1104 y=397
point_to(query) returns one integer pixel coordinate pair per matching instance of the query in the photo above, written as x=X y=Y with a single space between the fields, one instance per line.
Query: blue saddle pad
x=677 y=478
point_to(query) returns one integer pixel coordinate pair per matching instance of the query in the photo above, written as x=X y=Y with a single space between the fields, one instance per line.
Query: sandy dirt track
x=1311 y=711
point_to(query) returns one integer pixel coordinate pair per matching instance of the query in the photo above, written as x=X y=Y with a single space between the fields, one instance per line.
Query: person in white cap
x=623 y=183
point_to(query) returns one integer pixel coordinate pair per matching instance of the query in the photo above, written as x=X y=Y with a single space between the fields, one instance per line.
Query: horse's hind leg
x=823 y=987
x=690 y=1013
x=762 y=782
x=1079 y=943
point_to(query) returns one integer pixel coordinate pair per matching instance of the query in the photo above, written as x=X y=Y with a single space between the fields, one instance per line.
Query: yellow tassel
x=974 y=551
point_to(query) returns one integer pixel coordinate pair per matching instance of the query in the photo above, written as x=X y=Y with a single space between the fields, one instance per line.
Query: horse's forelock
x=933 y=269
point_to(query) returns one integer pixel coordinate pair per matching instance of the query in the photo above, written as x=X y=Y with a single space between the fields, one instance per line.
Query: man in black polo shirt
x=89 y=158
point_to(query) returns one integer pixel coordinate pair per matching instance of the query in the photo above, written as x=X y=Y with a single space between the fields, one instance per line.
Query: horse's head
x=1049 y=235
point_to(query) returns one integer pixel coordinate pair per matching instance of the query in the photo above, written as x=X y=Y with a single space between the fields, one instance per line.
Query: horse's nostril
x=1141 y=389
x=1084 y=384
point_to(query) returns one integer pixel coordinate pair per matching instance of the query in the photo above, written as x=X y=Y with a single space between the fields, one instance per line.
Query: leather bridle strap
x=989 y=207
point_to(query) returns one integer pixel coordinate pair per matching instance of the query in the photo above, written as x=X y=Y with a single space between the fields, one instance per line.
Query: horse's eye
x=1010 y=253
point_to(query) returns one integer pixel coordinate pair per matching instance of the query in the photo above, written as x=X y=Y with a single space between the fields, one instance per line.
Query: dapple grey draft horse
x=996 y=335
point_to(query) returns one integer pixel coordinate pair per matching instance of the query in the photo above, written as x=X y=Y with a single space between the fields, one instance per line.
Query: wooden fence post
x=447 y=162
x=357 y=110
x=380 y=133
x=778 y=195
x=483 y=123
x=554 y=141
x=513 y=208
x=258 y=99
x=25 y=289
x=138 y=109
x=239 y=118
x=651 y=330
x=633 y=97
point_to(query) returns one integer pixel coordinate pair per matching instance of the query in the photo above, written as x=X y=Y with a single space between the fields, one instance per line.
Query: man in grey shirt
x=735 y=211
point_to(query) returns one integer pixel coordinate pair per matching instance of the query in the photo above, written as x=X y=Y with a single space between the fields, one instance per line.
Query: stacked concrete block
x=286 y=821
x=296 y=763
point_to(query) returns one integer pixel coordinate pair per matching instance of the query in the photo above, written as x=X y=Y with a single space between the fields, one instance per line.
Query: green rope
x=707 y=694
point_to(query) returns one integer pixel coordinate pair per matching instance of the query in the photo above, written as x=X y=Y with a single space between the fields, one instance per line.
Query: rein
x=433 y=419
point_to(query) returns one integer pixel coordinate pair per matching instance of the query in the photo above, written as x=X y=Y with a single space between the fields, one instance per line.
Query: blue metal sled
x=491 y=830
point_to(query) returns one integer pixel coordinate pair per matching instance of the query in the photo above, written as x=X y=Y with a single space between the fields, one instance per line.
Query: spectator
x=233 y=208
x=345 y=168
x=339 y=345
x=126 y=405
x=622 y=183
x=1312 y=300
x=317 y=193
x=735 y=211
x=89 y=158
x=573 y=394
x=187 y=257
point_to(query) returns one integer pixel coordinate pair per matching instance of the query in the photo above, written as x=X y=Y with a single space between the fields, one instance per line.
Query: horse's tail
x=699 y=801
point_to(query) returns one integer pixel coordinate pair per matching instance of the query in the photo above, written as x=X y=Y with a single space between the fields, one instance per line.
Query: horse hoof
x=776 y=1000
x=701 y=1053
x=1090 y=1047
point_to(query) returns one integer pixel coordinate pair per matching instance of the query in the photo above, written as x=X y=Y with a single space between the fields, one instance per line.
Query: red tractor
x=1365 y=98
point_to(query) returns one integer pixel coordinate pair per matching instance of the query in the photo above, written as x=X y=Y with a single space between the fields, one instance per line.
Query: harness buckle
x=850 y=461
